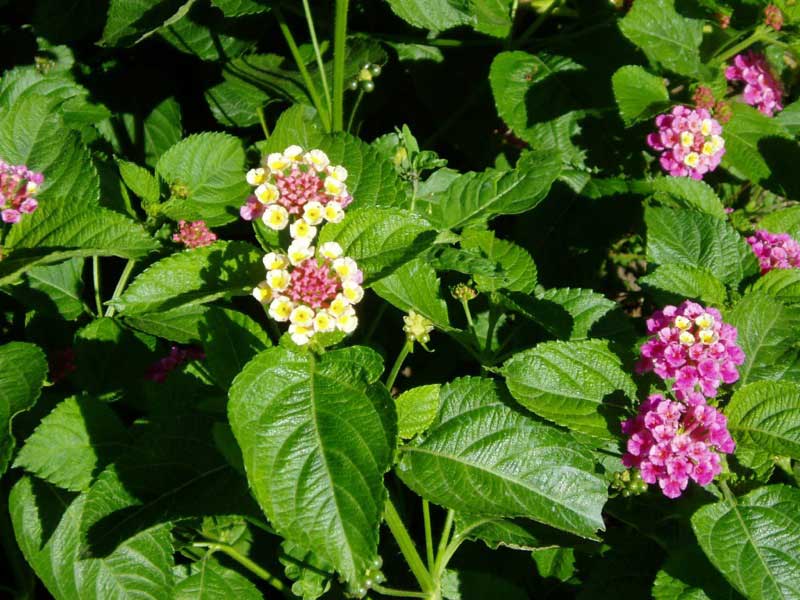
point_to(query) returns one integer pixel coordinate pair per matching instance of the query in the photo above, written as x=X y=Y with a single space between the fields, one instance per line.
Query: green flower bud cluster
x=365 y=77
x=629 y=483
x=372 y=576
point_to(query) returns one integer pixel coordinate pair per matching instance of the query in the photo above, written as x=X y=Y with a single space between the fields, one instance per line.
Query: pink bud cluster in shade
x=177 y=356
x=761 y=88
x=194 y=235
x=691 y=346
x=689 y=141
x=18 y=184
x=672 y=443
x=62 y=363
x=775 y=250
x=773 y=17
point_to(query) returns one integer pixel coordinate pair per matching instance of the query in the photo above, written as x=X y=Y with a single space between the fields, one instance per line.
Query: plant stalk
x=318 y=54
x=123 y=281
x=247 y=564
x=339 y=49
x=407 y=547
x=98 y=301
x=426 y=515
x=407 y=347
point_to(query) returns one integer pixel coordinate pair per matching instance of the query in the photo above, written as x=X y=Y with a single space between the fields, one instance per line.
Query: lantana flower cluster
x=690 y=142
x=672 y=443
x=194 y=235
x=691 y=346
x=775 y=250
x=296 y=186
x=761 y=88
x=160 y=370
x=18 y=187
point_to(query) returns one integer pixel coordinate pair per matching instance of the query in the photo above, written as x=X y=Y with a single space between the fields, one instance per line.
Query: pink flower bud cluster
x=773 y=17
x=194 y=235
x=61 y=364
x=761 y=88
x=775 y=250
x=689 y=140
x=692 y=347
x=672 y=443
x=177 y=356
x=18 y=185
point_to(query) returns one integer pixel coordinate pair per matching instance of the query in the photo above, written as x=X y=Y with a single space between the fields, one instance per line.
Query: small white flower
x=686 y=338
x=333 y=212
x=300 y=230
x=313 y=212
x=330 y=250
x=347 y=322
x=324 y=322
x=346 y=268
x=298 y=251
x=706 y=127
x=687 y=139
x=338 y=172
x=335 y=187
x=708 y=336
x=274 y=260
x=302 y=315
x=692 y=159
x=279 y=279
x=256 y=176
x=266 y=193
x=31 y=187
x=293 y=153
x=682 y=323
x=339 y=306
x=317 y=159
x=717 y=143
x=704 y=321
x=280 y=308
x=262 y=292
x=275 y=217
x=277 y=162
x=300 y=334
x=352 y=291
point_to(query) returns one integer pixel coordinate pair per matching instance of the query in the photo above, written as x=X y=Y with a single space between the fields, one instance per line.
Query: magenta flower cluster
x=177 y=356
x=761 y=88
x=194 y=235
x=691 y=346
x=775 y=250
x=18 y=186
x=672 y=443
x=690 y=142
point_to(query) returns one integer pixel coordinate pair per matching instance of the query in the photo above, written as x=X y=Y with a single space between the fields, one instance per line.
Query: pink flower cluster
x=194 y=235
x=18 y=184
x=689 y=141
x=690 y=345
x=761 y=88
x=177 y=356
x=671 y=443
x=775 y=250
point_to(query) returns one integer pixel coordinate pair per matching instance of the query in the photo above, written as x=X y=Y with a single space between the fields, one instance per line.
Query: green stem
x=320 y=65
x=754 y=37
x=407 y=347
x=98 y=301
x=354 y=109
x=123 y=281
x=426 y=516
x=263 y=121
x=339 y=49
x=312 y=89
x=407 y=547
x=261 y=525
x=493 y=317
x=443 y=543
x=540 y=20
x=386 y=591
x=247 y=564
x=726 y=491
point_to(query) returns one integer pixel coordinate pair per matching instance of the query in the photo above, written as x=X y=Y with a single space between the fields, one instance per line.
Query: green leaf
x=433 y=15
x=56 y=290
x=235 y=103
x=33 y=134
x=517 y=534
x=196 y=276
x=587 y=308
x=755 y=543
x=311 y=575
x=782 y=284
x=789 y=117
x=687 y=575
x=533 y=95
x=566 y=382
x=49 y=524
x=203 y=33
x=686 y=237
x=639 y=94
x=238 y=8
x=417 y=409
x=180 y=324
x=743 y=133
x=768 y=332
x=23 y=368
x=380 y=239
x=492 y=17
x=162 y=130
x=665 y=36
x=517 y=271
x=28 y=81
x=230 y=340
x=685 y=192
x=414 y=286
x=212 y=580
x=686 y=281
x=555 y=563
x=766 y=416
x=783 y=221
x=510 y=464
x=210 y=167
x=69 y=230
x=474 y=198
x=140 y=181
x=317 y=435
x=73 y=443
x=131 y=21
